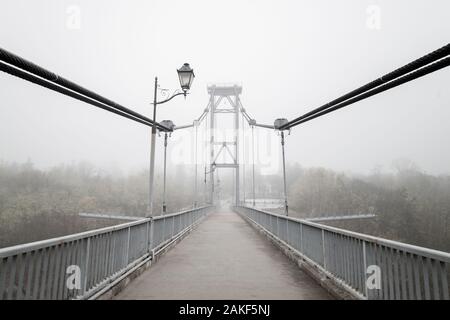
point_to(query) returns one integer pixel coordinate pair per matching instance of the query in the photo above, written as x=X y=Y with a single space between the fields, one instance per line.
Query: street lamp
x=277 y=125
x=186 y=76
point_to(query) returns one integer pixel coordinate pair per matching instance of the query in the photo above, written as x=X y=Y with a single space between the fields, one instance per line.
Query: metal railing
x=81 y=265
x=393 y=269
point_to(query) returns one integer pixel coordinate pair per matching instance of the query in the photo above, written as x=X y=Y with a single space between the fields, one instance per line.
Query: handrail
x=40 y=270
x=432 y=253
x=348 y=258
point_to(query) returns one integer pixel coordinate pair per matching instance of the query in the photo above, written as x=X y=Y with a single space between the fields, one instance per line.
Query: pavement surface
x=224 y=258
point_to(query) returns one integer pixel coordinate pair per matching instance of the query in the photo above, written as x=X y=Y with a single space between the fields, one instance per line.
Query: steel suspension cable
x=24 y=69
x=407 y=78
x=416 y=65
x=41 y=82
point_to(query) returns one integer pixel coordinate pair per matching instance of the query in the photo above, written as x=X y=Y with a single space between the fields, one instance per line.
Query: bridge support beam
x=218 y=94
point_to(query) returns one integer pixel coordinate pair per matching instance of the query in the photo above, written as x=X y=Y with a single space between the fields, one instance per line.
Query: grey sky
x=290 y=56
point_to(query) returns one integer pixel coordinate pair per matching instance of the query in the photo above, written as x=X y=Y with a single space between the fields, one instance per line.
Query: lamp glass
x=186 y=75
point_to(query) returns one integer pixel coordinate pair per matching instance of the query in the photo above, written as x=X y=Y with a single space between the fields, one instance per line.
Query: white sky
x=290 y=56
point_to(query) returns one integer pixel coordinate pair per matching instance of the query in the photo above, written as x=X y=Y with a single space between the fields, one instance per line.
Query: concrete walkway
x=224 y=258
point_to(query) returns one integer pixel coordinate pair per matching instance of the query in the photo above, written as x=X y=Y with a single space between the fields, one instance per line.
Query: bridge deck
x=224 y=258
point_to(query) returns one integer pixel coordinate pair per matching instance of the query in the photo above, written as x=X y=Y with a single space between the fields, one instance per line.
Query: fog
x=289 y=56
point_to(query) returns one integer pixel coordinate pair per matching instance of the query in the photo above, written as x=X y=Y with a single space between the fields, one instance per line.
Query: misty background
x=289 y=56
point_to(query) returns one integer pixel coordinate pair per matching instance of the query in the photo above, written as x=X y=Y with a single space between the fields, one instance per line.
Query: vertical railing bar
x=51 y=272
x=173 y=226
x=380 y=261
x=94 y=262
x=444 y=281
x=426 y=284
x=332 y=253
x=86 y=265
x=127 y=252
x=301 y=238
x=434 y=277
x=417 y=263
x=366 y=293
x=77 y=261
x=4 y=268
x=20 y=284
x=390 y=274
x=100 y=258
x=277 y=230
x=342 y=258
x=396 y=273
x=147 y=236
x=4 y=264
x=58 y=249
x=355 y=260
x=66 y=293
x=31 y=262
x=361 y=273
x=37 y=275
x=403 y=275
x=46 y=254
x=287 y=232
x=347 y=260
x=352 y=263
x=323 y=250
x=410 y=281
x=12 y=276
x=106 y=256
x=359 y=252
x=152 y=224
x=62 y=275
x=112 y=255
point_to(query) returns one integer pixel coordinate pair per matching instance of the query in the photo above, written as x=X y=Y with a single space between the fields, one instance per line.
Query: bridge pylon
x=218 y=94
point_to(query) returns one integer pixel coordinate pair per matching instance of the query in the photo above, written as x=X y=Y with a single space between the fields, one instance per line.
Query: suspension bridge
x=208 y=252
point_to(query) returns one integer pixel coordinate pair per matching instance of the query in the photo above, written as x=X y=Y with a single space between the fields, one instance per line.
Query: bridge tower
x=218 y=94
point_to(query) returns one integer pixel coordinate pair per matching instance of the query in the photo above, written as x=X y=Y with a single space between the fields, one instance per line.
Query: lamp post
x=186 y=77
x=170 y=125
x=278 y=123
x=252 y=123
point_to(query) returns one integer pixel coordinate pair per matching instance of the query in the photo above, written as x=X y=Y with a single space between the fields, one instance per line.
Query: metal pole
x=253 y=169
x=236 y=140
x=196 y=166
x=165 y=166
x=284 y=176
x=243 y=161
x=152 y=152
x=211 y=146
x=205 y=146
x=206 y=193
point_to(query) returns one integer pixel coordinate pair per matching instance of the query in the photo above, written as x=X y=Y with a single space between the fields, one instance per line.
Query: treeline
x=39 y=204
x=411 y=206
